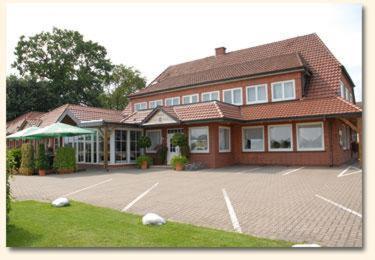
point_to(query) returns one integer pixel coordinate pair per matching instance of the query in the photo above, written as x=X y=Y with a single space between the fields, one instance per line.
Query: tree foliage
x=124 y=81
x=75 y=69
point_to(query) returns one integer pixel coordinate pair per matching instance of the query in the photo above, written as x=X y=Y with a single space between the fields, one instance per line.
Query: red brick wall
x=243 y=84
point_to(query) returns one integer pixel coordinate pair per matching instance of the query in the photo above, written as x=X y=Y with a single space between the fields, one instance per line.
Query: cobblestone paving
x=266 y=202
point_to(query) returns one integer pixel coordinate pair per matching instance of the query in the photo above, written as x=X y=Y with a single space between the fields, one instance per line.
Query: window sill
x=224 y=151
x=253 y=151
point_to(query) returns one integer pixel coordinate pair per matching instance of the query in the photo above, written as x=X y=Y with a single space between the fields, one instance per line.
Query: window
x=224 y=139
x=233 y=96
x=253 y=139
x=284 y=90
x=310 y=137
x=135 y=150
x=120 y=145
x=140 y=106
x=345 y=93
x=155 y=137
x=198 y=139
x=280 y=138
x=190 y=99
x=256 y=94
x=172 y=101
x=342 y=90
x=344 y=135
x=209 y=96
x=155 y=103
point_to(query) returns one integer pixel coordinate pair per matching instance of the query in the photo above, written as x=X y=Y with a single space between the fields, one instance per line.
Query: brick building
x=288 y=103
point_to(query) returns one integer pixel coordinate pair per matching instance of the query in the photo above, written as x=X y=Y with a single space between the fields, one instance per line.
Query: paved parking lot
x=301 y=204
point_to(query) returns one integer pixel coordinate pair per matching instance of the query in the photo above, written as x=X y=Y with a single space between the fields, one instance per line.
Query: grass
x=37 y=224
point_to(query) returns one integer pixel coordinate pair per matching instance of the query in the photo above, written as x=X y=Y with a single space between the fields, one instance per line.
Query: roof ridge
x=218 y=108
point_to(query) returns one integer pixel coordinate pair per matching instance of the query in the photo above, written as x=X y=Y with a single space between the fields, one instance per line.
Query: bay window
x=280 y=138
x=155 y=137
x=209 y=96
x=256 y=94
x=199 y=139
x=310 y=136
x=253 y=139
x=233 y=96
x=224 y=139
x=190 y=99
x=283 y=90
x=172 y=101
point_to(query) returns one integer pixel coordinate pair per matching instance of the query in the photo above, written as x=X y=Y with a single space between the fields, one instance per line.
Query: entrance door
x=172 y=150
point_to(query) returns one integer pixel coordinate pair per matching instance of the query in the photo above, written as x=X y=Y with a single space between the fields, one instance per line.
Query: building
x=289 y=102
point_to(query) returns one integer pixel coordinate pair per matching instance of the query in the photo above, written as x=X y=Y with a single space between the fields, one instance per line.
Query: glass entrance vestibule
x=123 y=146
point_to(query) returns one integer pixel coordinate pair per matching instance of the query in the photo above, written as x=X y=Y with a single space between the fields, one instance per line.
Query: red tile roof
x=312 y=52
x=21 y=121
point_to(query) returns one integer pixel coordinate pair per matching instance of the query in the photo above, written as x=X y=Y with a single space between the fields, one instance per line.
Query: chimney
x=220 y=51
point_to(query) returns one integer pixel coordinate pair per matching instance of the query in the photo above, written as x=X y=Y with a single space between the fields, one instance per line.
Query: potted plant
x=41 y=160
x=181 y=140
x=65 y=160
x=144 y=142
x=27 y=159
x=178 y=162
x=144 y=161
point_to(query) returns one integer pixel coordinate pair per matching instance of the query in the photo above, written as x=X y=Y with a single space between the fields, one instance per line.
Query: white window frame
x=283 y=149
x=208 y=139
x=256 y=94
x=155 y=101
x=282 y=85
x=161 y=138
x=140 y=103
x=310 y=149
x=243 y=135
x=232 y=99
x=229 y=149
x=190 y=98
x=210 y=93
x=171 y=98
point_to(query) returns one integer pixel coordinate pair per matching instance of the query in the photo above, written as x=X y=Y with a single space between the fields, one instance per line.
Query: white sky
x=151 y=37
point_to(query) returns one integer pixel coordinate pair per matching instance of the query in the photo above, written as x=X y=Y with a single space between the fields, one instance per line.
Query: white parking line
x=340 y=206
x=286 y=173
x=139 y=197
x=89 y=187
x=232 y=213
x=351 y=173
x=342 y=174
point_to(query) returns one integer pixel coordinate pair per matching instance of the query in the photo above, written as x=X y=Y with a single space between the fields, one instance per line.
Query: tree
x=75 y=70
x=26 y=94
x=124 y=81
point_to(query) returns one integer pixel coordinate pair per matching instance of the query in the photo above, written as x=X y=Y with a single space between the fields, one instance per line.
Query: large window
x=256 y=94
x=172 y=101
x=120 y=145
x=253 y=139
x=310 y=136
x=209 y=96
x=190 y=99
x=344 y=135
x=233 y=96
x=224 y=139
x=155 y=103
x=135 y=150
x=284 y=90
x=140 y=106
x=198 y=139
x=155 y=137
x=87 y=147
x=280 y=138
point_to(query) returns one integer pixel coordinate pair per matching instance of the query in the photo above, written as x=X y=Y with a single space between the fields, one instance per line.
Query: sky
x=151 y=37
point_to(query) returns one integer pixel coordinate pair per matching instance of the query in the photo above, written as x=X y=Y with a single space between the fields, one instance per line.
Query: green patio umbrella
x=58 y=130
x=22 y=134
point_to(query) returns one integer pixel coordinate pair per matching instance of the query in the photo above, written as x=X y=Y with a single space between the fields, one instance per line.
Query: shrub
x=65 y=159
x=27 y=160
x=41 y=158
x=142 y=158
x=144 y=141
x=161 y=153
x=10 y=166
x=178 y=159
x=15 y=155
x=181 y=140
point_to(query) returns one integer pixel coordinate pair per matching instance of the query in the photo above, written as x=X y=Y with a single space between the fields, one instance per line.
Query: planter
x=179 y=166
x=144 y=165
x=65 y=170
x=42 y=172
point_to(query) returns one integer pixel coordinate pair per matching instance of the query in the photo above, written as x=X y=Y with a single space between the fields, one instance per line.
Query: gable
x=160 y=118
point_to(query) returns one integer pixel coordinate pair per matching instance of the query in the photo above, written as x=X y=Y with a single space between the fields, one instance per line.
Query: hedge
x=27 y=160
x=65 y=159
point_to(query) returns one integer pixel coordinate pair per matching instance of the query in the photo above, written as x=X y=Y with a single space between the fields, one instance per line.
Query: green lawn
x=36 y=224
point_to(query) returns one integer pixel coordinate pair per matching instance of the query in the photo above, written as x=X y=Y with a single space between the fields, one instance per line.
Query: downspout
x=331 y=142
